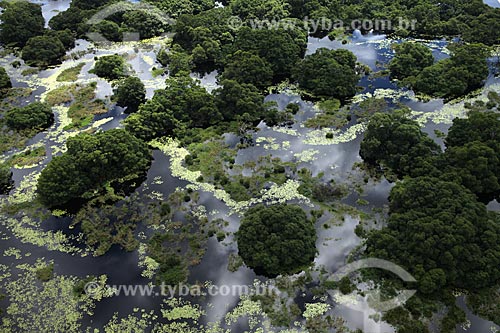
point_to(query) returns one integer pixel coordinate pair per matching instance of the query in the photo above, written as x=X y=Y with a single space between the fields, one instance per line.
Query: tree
x=281 y=48
x=146 y=25
x=35 y=115
x=108 y=29
x=21 y=20
x=235 y=99
x=177 y=60
x=259 y=9
x=328 y=73
x=246 y=67
x=476 y=166
x=182 y=103
x=111 y=67
x=464 y=71
x=396 y=142
x=5 y=83
x=437 y=227
x=92 y=163
x=5 y=179
x=65 y=36
x=130 y=93
x=410 y=59
x=43 y=51
x=276 y=239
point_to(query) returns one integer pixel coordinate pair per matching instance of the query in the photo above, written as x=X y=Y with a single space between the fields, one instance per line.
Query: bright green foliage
x=183 y=101
x=35 y=115
x=396 y=142
x=43 y=51
x=246 y=67
x=463 y=72
x=276 y=239
x=91 y=163
x=130 y=93
x=440 y=234
x=174 y=8
x=282 y=49
x=110 y=67
x=328 y=73
x=21 y=20
x=259 y=9
x=410 y=59
x=235 y=99
x=4 y=81
x=5 y=179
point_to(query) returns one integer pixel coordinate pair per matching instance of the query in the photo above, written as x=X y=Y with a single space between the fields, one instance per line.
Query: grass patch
x=29 y=157
x=70 y=74
x=332 y=115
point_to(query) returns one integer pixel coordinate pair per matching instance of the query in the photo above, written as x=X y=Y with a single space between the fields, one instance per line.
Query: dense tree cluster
x=91 y=164
x=463 y=72
x=130 y=93
x=110 y=67
x=43 y=51
x=35 y=115
x=185 y=104
x=328 y=73
x=21 y=20
x=441 y=234
x=410 y=59
x=276 y=239
x=397 y=142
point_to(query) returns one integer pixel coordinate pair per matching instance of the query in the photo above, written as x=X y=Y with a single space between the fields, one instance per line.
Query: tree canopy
x=246 y=67
x=397 y=142
x=92 y=164
x=276 y=239
x=130 y=93
x=43 y=51
x=410 y=59
x=440 y=234
x=35 y=115
x=110 y=67
x=328 y=73
x=21 y=20
x=5 y=179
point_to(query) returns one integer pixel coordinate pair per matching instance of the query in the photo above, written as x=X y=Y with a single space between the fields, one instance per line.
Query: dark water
x=336 y=161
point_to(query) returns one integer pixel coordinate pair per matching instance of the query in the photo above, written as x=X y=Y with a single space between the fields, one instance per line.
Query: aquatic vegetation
x=306 y=156
x=315 y=310
x=70 y=74
x=318 y=137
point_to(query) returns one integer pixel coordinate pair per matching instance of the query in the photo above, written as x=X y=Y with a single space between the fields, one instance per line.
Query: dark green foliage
x=130 y=93
x=5 y=179
x=282 y=49
x=396 y=142
x=463 y=72
x=91 y=163
x=108 y=29
x=276 y=240
x=110 y=67
x=259 y=9
x=328 y=73
x=183 y=101
x=246 y=67
x=410 y=59
x=4 y=81
x=72 y=19
x=146 y=25
x=440 y=234
x=43 y=51
x=175 y=8
x=21 y=20
x=35 y=115
x=65 y=36
x=235 y=99
x=178 y=61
